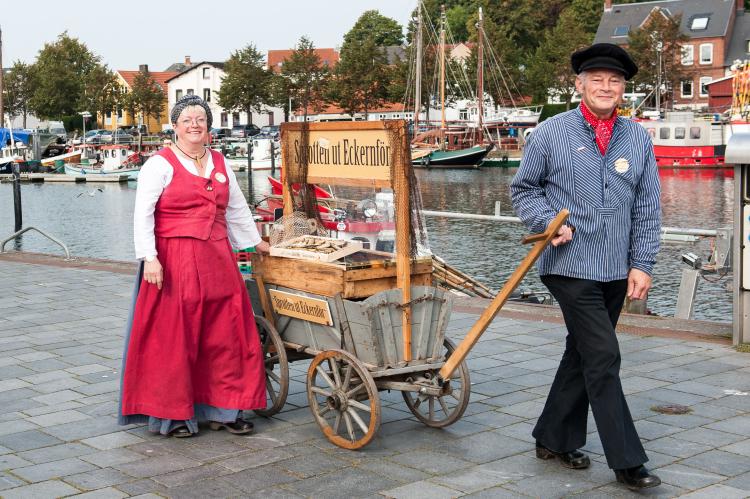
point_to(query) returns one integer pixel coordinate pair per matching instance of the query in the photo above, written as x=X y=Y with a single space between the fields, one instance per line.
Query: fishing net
x=292 y=226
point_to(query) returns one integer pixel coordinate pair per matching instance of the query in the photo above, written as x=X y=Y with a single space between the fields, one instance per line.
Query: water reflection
x=99 y=224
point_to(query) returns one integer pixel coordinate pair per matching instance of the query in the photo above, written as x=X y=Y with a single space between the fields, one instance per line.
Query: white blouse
x=155 y=175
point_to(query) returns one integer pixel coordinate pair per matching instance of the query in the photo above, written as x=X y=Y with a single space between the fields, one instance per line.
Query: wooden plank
x=263 y=296
x=463 y=348
x=351 y=182
x=403 y=239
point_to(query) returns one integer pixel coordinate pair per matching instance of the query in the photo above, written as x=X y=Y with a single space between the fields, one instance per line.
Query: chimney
x=608 y=5
x=143 y=68
x=187 y=61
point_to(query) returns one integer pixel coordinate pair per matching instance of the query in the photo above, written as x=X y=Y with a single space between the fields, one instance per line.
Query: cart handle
x=541 y=241
x=532 y=238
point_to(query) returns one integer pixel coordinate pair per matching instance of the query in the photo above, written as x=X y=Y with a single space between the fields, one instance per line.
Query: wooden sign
x=344 y=153
x=301 y=307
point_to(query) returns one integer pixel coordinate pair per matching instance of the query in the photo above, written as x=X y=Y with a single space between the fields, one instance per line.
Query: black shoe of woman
x=637 y=477
x=180 y=432
x=238 y=427
x=576 y=459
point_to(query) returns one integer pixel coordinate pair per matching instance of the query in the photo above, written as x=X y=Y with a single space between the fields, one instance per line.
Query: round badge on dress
x=622 y=165
x=220 y=177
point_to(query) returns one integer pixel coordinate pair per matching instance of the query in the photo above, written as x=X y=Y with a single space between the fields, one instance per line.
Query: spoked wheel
x=277 y=367
x=446 y=409
x=343 y=398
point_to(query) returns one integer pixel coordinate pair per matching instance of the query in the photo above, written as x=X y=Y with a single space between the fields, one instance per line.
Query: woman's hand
x=153 y=272
x=263 y=247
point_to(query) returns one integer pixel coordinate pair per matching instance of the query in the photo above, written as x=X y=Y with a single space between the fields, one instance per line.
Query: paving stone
x=550 y=485
x=340 y=484
x=719 y=490
x=431 y=462
x=51 y=488
x=143 y=486
x=112 y=440
x=27 y=440
x=739 y=424
x=191 y=475
x=58 y=397
x=159 y=465
x=107 y=493
x=216 y=488
x=55 y=453
x=496 y=493
x=60 y=417
x=53 y=469
x=254 y=459
x=97 y=479
x=8 y=481
x=261 y=478
x=687 y=477
x=723 y=463
x=707 y=436
x=471 y=480
x=421 y=490
x=112 y=457
x=740 y=482
x=675 y=446
x=742 y=448
x=485 y=447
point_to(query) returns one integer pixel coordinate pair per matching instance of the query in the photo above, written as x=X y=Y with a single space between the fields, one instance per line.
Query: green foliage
x=371 y=25
x=247 y=85
x=62 y=68
x=657 y=42
x=147 y=96
x=457 y=18
x=550 y=67
x=303 y=77
x=101 y=92
x=18 y=89
x=550 y=110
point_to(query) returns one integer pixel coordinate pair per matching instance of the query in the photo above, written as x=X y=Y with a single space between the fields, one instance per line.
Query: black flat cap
x=604 y=56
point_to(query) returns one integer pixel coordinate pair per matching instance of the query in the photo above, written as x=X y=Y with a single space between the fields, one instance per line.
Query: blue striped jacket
x=616 y=214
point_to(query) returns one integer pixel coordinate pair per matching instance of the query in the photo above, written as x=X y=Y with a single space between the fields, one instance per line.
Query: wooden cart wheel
x=446 y=409
x=277 y=367
x=343 y=398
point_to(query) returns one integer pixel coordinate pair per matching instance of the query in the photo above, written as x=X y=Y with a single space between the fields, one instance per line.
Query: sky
x=127 y=33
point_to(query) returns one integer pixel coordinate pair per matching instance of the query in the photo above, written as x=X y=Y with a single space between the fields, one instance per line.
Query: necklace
x=195 y=159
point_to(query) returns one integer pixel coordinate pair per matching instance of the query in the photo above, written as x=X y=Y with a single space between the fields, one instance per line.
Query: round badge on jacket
x=621 y=165
x=220 y=177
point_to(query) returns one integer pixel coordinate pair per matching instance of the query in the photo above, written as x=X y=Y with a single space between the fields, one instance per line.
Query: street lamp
x=84 y=115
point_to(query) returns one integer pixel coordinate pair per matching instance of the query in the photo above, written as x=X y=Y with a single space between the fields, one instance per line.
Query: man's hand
x=564 y=235
x=639 y=283
x=153 y=273
x=262 y=247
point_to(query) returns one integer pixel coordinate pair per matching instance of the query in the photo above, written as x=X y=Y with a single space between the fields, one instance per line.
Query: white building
x=204 y=79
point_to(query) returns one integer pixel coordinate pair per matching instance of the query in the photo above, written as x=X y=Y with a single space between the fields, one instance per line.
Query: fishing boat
x=261 y=154
x=68 y=157
x=116 y=160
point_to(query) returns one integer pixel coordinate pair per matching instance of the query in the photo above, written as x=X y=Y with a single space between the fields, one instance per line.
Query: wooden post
x=250 y=195
x=541 y=241
x=273 y=159
x=17 y=195
x=403 y=244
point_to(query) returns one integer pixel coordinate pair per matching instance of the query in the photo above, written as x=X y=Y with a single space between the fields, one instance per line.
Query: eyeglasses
x=189 y=121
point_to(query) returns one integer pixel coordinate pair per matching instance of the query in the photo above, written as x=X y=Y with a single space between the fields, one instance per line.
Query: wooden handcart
x=352 y=318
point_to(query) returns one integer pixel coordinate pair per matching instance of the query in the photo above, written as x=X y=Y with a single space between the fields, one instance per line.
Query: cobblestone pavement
x=60 y=350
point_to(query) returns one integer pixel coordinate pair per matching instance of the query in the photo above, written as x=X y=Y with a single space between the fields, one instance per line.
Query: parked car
x=269 y=132
x=116 y=137
x=91 y=137
x=220 y=133
x=245 y=131
x=135 y=130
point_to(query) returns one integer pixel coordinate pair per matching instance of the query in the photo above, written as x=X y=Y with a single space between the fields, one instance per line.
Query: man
x=602 y=169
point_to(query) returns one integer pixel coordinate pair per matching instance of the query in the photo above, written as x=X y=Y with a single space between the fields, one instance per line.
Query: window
x=699 y=23
x=235 y=118
x=224 y=119
x=695 y=132
x=207 y=94
x=108 y=115
x=707 y=53
x=621 y=31
x=686 y=87
x=206 y=73
x=190 y=91
x=664 y=132
x=688 y=55
x=705 y=80
x=178 y=94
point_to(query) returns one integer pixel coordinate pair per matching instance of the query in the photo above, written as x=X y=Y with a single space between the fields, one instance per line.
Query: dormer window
x=621 y=31
x=699 y=23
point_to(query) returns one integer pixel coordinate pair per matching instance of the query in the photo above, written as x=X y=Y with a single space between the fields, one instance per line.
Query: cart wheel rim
x=343 y=398
x=444 y=410
x=276 y=367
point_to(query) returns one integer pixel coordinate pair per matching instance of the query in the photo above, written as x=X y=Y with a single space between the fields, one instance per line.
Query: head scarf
x=187 y=101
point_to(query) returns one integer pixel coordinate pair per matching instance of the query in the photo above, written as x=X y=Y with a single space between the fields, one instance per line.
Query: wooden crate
x=285 y=251
x=328 y=279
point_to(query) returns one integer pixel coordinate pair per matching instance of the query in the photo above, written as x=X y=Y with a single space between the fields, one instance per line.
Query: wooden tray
x=283 y=250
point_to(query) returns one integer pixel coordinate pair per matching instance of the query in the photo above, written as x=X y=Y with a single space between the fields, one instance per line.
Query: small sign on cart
x=301 y=307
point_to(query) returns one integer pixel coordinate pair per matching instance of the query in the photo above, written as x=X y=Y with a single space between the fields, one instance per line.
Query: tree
x=304 y=77
x=550 y=68
x=247 y=85
x=360 y=78
x=147 y=96
x=18 y=90
x=371 y=25
x=62 y=68
x=659 y=43
x=101 y=91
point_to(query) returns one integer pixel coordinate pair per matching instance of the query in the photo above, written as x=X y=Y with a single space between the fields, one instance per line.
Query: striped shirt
x=613 y=199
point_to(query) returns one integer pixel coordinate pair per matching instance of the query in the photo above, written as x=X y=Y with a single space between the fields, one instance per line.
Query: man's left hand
x=639 y=283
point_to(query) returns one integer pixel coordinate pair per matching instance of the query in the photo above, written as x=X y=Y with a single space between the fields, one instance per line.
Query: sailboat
x=442 y=148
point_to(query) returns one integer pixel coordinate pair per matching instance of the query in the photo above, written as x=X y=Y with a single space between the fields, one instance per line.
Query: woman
x=192 y=352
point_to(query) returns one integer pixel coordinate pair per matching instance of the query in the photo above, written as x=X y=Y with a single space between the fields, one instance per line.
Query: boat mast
x=418 y=79
x=480 y=77
x=442 y=75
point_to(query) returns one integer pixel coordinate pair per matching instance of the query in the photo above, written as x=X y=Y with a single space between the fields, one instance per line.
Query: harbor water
x=95 y=220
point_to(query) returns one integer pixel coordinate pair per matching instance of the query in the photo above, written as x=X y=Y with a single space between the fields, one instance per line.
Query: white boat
x=68 y=157
x=528 y=115
x=117 y=159
x=77 y=170
x=11 y=154
x=261 y=155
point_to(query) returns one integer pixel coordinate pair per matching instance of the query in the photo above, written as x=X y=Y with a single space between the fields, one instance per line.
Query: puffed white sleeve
x=240 y=224
x=155 y=175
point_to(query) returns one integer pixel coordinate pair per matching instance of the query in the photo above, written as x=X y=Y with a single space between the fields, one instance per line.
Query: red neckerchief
x=602 y=128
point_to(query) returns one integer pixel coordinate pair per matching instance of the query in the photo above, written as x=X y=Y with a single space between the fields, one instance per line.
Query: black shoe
x=637 y=477
x=576 y=459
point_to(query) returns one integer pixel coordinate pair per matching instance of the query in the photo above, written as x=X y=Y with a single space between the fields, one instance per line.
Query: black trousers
x=589 y=373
